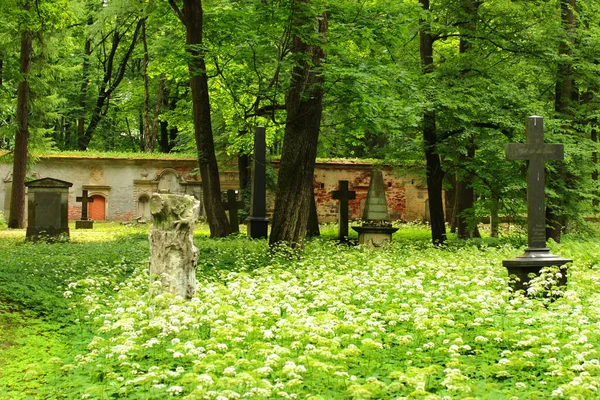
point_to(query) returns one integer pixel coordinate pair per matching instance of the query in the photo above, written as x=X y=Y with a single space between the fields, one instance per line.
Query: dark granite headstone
x=258 y=222
x=232 y=205
x=84 y=222
x=47 y=208
x=537 y=255
x=343 y=195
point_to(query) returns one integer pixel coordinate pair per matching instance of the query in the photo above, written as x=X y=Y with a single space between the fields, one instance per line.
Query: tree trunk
x=450 y=201
x=594 y=134
x=304 y=105
x=85 y=70
x=465 y=199
x=147 y=136
x=434 y=172
x=17 y=200
x=209 y=170
x=564 y=95
x=108 y=84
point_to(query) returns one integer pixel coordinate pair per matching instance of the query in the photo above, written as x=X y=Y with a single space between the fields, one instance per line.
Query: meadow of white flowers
x=410 y=321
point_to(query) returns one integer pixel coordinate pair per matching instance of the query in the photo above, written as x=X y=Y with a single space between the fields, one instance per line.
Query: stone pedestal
x=172 y=251
x=84 y=224
x=374 y=236
x=532 y=261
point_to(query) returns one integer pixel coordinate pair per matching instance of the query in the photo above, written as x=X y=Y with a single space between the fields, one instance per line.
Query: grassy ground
x=342 y=322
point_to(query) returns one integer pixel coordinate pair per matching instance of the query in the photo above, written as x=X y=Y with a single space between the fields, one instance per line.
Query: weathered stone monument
x=537 y=255
x=84 y=222
x=343 y=195
x=172 y=251
x=47 y=208
x=232 y=205
x=376 y=230
x=258 y=222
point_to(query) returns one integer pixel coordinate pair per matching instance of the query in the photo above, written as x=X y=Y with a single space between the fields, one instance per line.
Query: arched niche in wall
x=143 y=207
x=169 y=181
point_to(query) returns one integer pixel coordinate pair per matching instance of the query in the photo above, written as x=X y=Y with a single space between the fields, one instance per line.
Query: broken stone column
x=172 y=251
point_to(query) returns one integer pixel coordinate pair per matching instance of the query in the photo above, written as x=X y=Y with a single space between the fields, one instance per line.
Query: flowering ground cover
x=410 y=321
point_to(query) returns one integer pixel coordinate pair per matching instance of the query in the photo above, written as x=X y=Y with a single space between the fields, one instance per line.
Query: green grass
x=341 y=322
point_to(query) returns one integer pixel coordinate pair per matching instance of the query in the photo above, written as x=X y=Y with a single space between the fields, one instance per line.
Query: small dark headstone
x=85 y=222
x=47 y=208
x=343 y=195
x=232 y=205
x=258 y=222
x=537 y=255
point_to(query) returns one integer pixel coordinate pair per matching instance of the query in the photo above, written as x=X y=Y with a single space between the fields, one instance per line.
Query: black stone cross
x=537 y=255
x=343 y=195
x=84 y=200
x=232 y=205
x=536 y=151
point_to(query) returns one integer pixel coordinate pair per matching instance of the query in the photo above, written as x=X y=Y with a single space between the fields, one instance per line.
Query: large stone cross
x=232 y=205
x=537 y=255
x=343 y=195
x=536 y=152
x=84 y=200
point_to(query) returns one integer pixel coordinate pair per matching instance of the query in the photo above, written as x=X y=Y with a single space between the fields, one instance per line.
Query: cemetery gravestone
x=258 y=222
x=47 y=208
x=232 y=205
x=84 y=222
x=537 y=255
x=172 y=251
x=376 y=230
x=343 y=195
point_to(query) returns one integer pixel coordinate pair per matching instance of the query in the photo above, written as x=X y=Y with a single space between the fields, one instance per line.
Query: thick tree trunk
x=209 y=170
x=564 y=95
x=434 y=172
x=304 y=104
x=17 y=200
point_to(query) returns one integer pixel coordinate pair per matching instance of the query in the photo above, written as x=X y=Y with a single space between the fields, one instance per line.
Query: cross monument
x=537 y=255
x=84 y=222
x=343 y=195
x=232 y=205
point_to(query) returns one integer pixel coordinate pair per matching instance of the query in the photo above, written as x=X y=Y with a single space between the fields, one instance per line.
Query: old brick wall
x=126 y=183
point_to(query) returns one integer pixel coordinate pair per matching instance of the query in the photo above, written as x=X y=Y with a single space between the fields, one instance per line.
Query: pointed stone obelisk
x=376 y=205
x=376 y=230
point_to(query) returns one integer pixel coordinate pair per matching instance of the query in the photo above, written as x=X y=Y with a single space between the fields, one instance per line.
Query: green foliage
x=411 y=320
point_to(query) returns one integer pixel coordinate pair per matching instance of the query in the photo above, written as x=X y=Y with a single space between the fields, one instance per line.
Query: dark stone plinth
x=374 y=236
x=84 y=224
x=532 y=261
x=258 y=227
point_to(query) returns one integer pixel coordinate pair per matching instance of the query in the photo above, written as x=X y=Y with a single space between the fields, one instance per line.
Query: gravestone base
x=374 y=236
x=50 y=234
x=258 y=227
x=532 y=261
x=84 y=224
